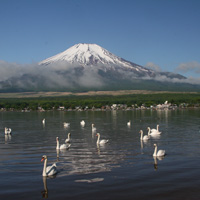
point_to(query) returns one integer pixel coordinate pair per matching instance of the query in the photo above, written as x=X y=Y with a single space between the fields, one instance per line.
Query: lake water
x=124 y=168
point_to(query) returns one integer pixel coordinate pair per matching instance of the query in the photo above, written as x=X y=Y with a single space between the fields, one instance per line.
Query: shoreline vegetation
x=98 y=100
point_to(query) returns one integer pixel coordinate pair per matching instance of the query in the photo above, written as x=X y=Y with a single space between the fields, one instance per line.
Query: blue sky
x=162 y=34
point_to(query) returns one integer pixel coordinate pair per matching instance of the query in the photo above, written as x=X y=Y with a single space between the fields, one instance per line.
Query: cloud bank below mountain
x=67 y=76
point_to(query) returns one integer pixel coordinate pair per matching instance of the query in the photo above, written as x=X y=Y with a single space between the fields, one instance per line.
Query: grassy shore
x=90 y=93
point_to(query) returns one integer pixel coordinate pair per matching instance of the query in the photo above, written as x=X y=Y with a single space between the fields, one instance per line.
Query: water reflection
x=88 y=162
x=7 y=138
x=156 y=161
x=98 y=150
x=45 y=191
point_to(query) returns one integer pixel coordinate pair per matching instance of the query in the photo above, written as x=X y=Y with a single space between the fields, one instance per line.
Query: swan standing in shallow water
x=62 y=146
x=50 y=170
x=8 y=131
x=100 y=141
x=43 y=121
x=82 y=123
x=155 y=131
x=145 y=137
x=68 y=139
x=160 y=153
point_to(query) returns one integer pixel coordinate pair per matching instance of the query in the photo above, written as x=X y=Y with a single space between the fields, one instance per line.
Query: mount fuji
x=85 y=67
x=92 y=55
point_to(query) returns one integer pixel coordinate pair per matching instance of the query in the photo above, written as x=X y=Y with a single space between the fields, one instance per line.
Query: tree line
x=48 y=103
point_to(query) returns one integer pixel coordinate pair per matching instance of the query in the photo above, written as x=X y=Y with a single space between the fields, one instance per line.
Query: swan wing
x=51 y=170
x=161 y=153
x=146 y=137
x=63 y=146
x=155 y=133
x=103 y=141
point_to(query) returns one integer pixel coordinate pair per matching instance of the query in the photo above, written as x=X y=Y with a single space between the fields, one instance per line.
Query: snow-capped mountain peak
x=92 y=54
x=84 y=54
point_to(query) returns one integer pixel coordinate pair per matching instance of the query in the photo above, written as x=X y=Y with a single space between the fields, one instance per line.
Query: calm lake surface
x=124 y=168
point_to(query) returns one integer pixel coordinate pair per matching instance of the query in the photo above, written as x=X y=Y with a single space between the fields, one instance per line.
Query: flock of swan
x=52 y=170
x=153 y=133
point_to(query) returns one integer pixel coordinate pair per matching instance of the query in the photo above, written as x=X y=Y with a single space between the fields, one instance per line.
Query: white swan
x=68 y=139
x=155 y=131
x=154 y=135
x=82 y=123
x=129 y=123
x=43 y=121
x=159 y=153
x=62 y=146
x=93 y=128
x=8 y=131
x=65 y=124
x=100 y=141
x=50 y=170
x=145 y=137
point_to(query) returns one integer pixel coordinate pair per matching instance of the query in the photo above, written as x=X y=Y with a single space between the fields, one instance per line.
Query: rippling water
x=122 y=169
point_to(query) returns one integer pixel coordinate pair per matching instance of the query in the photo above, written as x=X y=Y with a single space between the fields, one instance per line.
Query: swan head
x=97 y=134
x=44 y=157
x=155 y=145
x=57 y=139
x=141 y=131
x=148 y=128
x=69 y=134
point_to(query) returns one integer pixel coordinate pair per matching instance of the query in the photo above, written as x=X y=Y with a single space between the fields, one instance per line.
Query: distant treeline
x=47 y=103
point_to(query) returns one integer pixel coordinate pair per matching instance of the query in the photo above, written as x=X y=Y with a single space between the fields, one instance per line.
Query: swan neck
x=98 y=139
x=148 y=131
x=155 y=151
x=44 y=168
x=141 y=137
x=57 y=147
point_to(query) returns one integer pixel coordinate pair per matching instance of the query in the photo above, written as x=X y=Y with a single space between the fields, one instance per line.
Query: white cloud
x=153 y=66
x=189 y=66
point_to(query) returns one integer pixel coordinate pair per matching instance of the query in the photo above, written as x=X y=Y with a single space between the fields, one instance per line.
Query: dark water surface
x=122 y=169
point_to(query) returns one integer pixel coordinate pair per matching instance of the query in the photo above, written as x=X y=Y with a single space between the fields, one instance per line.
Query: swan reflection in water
x=98 y=150
x=45 y=191
x=7 y=138
x=156 y=161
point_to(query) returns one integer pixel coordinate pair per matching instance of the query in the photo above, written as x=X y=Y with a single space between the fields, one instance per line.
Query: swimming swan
x=145 y=137
x=155 y=131
x=65 y=124
x=129 y=123
x=100 y=141
x=82 y=123
x=68 y=139
x=62 y=146
x=7 y=131
x=50 y=170
x=159 y=153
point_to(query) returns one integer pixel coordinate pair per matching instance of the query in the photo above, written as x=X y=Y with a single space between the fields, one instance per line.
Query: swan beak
x=42 y=159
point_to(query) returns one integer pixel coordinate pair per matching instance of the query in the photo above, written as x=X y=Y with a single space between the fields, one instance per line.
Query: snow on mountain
x=92 y=54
